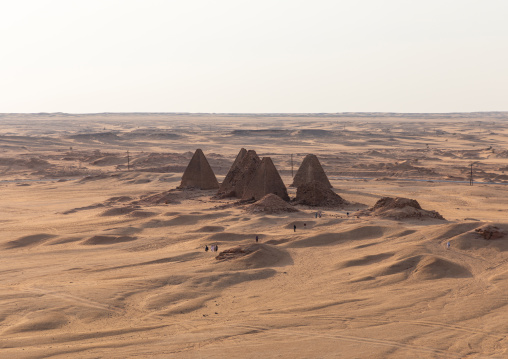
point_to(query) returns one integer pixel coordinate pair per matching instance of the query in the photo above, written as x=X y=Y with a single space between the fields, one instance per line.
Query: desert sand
x=102 y=257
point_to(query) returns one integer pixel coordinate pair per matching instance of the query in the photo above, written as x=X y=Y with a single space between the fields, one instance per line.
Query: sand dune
x=210 y=229
x=108 y=240
x=28 y=241
x=253 y=256
x=111 y=263
x=330 y=238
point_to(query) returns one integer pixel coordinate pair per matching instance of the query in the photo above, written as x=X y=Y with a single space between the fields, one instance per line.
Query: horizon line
x=253 y=113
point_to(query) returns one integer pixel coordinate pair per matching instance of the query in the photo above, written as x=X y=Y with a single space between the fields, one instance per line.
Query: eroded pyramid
x=315 y=193
x=266 y=180
x=310 y=170
x=239 y=157
x=240 y=174
x=198 y=173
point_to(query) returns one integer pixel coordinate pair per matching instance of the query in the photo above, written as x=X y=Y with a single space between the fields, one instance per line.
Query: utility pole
x=128 y=161
x=471 y=177
x=292 y=175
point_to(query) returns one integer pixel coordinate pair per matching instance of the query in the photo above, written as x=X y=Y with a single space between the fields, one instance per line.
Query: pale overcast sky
x=253 y=56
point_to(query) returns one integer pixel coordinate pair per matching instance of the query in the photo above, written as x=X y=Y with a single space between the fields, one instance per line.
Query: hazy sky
x=253 y=56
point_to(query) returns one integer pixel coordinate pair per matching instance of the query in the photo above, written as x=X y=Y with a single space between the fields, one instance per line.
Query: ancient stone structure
x=266 y=180
x=310 y=170
x=198 y=173
x=316 y=193
x=240 y=174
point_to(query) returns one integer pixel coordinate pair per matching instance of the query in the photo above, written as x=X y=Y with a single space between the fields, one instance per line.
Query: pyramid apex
x=239 y=175
x=310 y=170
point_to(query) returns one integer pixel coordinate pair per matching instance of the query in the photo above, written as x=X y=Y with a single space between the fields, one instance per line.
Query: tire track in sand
x=356 y=339
x=83 y=301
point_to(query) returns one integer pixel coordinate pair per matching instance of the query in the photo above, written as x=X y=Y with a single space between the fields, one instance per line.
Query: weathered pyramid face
x=198 y=173
x=240 y=174
x=239 y=158
x=310 y=170
x=315 y=193
x=266 y=180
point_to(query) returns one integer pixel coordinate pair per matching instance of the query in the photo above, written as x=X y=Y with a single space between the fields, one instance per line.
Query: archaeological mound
x=399 y=208
x=271 y=204
x=490 y=232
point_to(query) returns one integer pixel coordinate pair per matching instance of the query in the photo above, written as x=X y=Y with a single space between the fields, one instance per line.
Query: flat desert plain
x=102 y=257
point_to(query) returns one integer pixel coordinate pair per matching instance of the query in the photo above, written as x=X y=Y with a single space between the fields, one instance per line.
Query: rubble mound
x=233 y=253
x=239 y=175
x=397 y=202
x=310 y=170
x=269 y=204
x=266 y=180
x=316 y=193
x=399 y=208
x=490 y=232
x=198 y=173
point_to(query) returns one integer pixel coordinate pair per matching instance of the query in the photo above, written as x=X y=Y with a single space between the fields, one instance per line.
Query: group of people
x=213 y=248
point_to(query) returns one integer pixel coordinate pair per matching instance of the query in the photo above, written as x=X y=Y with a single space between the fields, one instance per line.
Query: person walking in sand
x=216 y=248
x=206 y=248
x=257 y=239
x=447 y=245
x=294 y=228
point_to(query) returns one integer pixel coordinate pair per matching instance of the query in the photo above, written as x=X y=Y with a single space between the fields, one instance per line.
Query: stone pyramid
x=315 y=193
x=310 y=170
x=239 y=175
x=198 y=173
x=266 y=180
